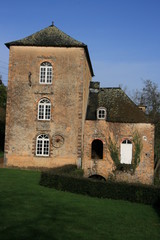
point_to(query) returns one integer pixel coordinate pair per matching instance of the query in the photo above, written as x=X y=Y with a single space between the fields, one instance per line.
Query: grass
x=30 y=211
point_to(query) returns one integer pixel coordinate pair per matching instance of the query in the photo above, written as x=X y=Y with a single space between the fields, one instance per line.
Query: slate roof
x=51 y=37
x=120 y=108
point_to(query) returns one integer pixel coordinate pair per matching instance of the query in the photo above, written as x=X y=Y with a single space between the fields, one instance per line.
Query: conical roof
x=51 y=37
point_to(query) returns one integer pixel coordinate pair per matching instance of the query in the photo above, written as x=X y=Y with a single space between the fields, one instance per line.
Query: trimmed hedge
x=70 y=170
x=114 y=190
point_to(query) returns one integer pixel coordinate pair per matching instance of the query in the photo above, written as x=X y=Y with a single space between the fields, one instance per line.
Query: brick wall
x=70 y=71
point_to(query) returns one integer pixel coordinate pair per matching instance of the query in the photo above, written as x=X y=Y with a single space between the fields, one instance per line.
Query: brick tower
x=49 y=76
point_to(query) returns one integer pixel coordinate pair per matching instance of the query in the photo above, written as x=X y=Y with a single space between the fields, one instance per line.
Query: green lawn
x=29 y=211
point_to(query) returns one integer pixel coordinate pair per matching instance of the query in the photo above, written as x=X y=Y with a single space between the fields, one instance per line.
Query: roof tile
x=51 y=37
x=120 y=108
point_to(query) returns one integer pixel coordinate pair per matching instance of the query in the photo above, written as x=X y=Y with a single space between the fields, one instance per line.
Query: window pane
x=101 y=114
x=46 y=64
x=46 y=147
x=46 y=72
x=41 y=112
x=44 y=109
x=49 y=75
x=47 y=113
x=42 y=148
x=39 y=147
x=43 y=72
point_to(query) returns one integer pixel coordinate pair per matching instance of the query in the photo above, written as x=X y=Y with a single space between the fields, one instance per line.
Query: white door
x=126 y=152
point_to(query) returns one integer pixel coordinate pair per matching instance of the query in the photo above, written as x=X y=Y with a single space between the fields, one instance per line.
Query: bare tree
x=149 y=96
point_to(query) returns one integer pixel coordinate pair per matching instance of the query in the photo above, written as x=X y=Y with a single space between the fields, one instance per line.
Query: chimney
x=142 y=107
x=94 y=87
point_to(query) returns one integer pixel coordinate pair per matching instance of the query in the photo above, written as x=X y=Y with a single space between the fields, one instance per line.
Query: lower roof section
x=119 y=107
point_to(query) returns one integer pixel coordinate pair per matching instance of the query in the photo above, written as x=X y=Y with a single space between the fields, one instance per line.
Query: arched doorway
x=97 y=177
x=97 y=149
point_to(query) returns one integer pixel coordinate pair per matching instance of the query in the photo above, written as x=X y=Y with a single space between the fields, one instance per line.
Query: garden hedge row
x=114 y=190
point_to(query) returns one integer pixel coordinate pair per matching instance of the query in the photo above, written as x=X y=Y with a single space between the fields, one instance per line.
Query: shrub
x=69 y=169
x=114 y=190
x=125 y=167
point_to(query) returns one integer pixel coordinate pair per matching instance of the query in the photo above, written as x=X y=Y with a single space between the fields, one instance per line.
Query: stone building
x=56 y=115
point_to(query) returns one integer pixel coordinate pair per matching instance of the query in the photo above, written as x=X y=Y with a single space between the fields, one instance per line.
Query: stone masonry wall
x=82 y=108
x=24 y=93
x=117 y=132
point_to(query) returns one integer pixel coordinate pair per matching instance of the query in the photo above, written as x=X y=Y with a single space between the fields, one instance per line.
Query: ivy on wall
x=137 y=148
x=114 y=153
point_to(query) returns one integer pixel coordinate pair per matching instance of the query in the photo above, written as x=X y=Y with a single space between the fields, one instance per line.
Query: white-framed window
x=101 y=113
x=44 y=109
x=42 y=145
x=126 y=152
x=46 y=73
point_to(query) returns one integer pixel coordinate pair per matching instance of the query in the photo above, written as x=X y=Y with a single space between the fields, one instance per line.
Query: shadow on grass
x=156 y=207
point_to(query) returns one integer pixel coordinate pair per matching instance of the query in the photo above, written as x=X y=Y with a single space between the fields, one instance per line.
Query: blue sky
x=123 y=36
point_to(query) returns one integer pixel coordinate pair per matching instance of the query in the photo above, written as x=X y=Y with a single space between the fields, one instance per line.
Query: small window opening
x=97 y=149
x=101 y=113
